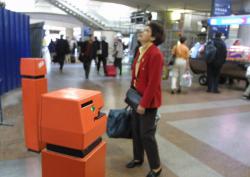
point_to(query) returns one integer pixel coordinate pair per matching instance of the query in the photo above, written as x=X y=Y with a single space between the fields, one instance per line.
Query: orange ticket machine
x=72 y=125
x=34 y=84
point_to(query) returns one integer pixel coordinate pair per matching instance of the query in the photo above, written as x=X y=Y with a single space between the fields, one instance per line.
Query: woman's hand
x=140 y=110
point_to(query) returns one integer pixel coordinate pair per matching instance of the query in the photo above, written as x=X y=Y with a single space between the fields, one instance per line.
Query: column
x=243 y=33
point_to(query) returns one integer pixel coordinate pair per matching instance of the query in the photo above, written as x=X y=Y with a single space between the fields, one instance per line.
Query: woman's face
x=146 y=35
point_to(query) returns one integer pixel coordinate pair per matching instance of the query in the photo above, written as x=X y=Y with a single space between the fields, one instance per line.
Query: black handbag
x=119 y=123
x=55 y=59
x=81 y=58
x=133 y=98
x=172 y=60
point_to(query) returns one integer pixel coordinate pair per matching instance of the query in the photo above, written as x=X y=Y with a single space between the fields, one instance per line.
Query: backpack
x=210 y=52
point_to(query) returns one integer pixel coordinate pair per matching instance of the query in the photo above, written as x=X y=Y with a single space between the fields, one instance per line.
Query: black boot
x=154 y=174
x=134 y=164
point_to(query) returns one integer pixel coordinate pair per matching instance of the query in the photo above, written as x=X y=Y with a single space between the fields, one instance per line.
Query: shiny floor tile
x=228 y=133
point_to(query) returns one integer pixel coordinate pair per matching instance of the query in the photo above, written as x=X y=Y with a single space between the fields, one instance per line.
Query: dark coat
x=221 y=53
x=52 y=47
x=86 y=55
x=62 y=47
x=96 y=45
x=104 y=46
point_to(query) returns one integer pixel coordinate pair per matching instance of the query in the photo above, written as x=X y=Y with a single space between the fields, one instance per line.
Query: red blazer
x=148 y=81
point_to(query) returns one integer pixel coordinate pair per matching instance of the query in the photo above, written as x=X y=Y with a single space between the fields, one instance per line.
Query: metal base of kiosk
x=56 y=164
x=2 y=123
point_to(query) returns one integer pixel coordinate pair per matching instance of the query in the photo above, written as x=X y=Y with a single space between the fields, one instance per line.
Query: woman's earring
x=152 y=39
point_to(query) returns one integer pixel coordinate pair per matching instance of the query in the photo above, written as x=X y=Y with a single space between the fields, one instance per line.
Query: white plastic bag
x=186 y=80
x=248 y=72
x=171 y=73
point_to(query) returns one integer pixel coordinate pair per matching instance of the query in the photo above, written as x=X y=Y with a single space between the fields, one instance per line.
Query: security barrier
x=34 y=84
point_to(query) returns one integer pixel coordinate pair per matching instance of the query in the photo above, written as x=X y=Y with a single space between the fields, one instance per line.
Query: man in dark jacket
x=214 y=67
x=87 y=54
x=52 y=46
x=102 y=53
x=62 y=48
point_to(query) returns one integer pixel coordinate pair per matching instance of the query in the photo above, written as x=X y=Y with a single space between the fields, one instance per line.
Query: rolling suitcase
x=110 y=71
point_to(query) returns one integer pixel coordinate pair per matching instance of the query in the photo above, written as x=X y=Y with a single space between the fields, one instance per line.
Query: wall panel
x=14 y=44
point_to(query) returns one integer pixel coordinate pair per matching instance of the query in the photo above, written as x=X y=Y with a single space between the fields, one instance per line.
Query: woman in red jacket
x=146 y=79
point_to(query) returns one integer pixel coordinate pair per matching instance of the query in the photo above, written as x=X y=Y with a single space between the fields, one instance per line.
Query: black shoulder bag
x=133 y=98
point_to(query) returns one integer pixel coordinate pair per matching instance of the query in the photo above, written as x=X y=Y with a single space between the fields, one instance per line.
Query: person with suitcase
x=118 y=54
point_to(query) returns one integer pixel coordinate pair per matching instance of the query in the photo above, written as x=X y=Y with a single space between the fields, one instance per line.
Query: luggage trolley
x=230 y=70
x=199 y=67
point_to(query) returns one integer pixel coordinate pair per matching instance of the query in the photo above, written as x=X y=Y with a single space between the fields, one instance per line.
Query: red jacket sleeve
x=155 y=65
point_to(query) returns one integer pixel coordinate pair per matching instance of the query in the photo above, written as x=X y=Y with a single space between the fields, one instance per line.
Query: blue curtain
x=14 y=44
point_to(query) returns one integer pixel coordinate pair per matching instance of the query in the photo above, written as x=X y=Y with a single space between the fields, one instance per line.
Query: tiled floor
x=199 y=135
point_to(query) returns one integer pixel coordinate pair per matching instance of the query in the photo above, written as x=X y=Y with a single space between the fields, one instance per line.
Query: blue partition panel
x=1 y=49
x=14 y=44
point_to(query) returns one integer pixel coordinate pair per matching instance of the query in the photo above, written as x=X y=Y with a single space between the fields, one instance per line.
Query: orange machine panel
x=59 y=165
x=33 y=67
x=71 y=118
x=32 y=90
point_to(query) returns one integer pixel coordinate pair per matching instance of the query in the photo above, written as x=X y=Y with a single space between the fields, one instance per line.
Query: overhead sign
x=87 y=31
x=221 y=7
x=229 y=20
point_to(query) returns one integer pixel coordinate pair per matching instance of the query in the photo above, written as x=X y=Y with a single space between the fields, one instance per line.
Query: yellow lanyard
x=143 y=50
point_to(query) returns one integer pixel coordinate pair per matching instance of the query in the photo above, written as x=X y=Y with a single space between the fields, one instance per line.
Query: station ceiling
x=198 y=5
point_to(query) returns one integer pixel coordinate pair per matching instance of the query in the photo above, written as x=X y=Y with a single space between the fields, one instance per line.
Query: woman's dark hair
x=157 y=32
x=183 y=39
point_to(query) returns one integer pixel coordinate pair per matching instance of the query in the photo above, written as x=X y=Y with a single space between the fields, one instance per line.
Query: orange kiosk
x=34 y=84
x=72 y=125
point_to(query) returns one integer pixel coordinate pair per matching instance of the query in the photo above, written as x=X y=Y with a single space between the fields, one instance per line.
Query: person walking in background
x=181 y=54
x=96 y=46
x=87 y=54
x=73 y=48
x=214 y=67
x=52 y=49
x=146 y=80
x=102 y=54
x=62 y=49
x=246 y=94
x=118 y=54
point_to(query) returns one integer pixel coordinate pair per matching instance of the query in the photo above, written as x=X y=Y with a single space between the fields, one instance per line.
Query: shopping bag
x=186 y=80
x=165 y=73
x=119 y=123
